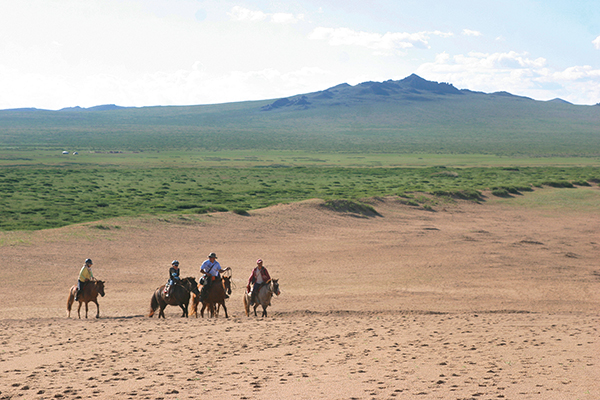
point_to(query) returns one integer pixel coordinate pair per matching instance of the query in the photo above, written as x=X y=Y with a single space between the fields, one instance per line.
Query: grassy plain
x=352 y=144
x=45 y=189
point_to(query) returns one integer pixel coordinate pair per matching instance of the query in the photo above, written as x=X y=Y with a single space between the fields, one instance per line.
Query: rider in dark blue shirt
x=173 y=277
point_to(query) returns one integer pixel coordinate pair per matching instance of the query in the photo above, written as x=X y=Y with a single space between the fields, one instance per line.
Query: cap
x=175 y=262
x=259 y=261
x=212 y=255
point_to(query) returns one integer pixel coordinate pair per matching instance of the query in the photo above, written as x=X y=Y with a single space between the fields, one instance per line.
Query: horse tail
x=153 y=304
x=70 y=301
x=246 y=304
x=194 y=300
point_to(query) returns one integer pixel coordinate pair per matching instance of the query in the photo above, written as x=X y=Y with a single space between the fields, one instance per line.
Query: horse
x=215 y=297
x=180 y=296
x=263 y=297
x=89 y=293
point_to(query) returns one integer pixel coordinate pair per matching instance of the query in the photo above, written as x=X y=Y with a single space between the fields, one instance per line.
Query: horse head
x=275 y=289
x=191 y=285
x=100 y=286
x=227 y=284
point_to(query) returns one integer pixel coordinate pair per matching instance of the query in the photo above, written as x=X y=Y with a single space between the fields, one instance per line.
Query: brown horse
x=90 y=292
x=216 y=297
x=180 y=296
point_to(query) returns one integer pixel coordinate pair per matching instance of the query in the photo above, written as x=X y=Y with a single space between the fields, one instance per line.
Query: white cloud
x=469 y=32
x=284 y=18
x=596 y=43
x=517 y=73
x=376 y=41
x=238 y=13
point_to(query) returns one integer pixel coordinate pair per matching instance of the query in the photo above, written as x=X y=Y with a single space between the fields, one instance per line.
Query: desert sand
x=470 y=301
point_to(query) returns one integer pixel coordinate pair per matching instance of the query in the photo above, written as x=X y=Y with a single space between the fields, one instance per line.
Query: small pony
x=90 y=292
x=263 y=297
x=180 y=296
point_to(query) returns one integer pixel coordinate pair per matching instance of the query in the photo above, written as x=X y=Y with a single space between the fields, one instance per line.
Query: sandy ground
x=472 y=301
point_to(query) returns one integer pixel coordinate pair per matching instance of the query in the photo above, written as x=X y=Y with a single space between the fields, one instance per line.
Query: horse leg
x=86 y=309
x=202 y=310
x=264 y=313
x=184 y=309
x=224 y=309
x=79 y=310
x=161 y=313
x=97 y=309
x=255 y=307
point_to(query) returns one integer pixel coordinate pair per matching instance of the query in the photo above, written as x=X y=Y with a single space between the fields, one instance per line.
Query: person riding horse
x=258 y=277
x=211 y=271
x=174 y=278
x=85 y=276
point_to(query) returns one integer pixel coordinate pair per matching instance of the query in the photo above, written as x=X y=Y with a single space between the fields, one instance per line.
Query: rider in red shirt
x=259 y=277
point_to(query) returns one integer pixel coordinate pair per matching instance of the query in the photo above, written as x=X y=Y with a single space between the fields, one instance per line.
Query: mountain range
x=408 y=115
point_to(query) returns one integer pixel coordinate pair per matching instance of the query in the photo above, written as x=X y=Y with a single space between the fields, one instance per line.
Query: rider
x=85 y=275
x=173 y=277
x=258 y=277
x=211 y=270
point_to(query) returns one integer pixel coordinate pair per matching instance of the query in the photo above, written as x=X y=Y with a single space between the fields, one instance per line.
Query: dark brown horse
x=216 y=297
x=90 y=292
x=180 y=296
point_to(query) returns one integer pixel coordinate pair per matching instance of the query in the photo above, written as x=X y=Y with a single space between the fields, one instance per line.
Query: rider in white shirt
x=211 y=270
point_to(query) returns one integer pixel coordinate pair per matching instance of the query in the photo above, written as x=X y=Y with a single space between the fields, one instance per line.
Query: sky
x=66 y=53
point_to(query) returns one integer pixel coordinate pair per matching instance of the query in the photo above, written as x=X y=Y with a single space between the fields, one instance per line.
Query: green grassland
x=46 y=196
x=471 y=123
x=342 y=144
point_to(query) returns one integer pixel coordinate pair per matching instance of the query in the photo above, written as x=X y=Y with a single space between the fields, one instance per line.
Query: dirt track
x=471 y=301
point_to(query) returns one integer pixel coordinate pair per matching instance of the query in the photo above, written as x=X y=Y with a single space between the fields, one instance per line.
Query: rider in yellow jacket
x=85 y=275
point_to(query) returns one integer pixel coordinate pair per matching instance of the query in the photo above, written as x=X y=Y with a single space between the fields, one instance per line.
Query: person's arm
x=251 y=279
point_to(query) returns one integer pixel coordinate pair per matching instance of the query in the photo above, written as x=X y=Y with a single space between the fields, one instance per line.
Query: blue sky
x=65 y=53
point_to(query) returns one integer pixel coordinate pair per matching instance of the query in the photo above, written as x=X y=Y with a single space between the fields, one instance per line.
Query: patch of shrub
x=466 y=194
x=558 y=184
x=581 y=183
x=240 y=211
x=500 y=193
x=350 y=206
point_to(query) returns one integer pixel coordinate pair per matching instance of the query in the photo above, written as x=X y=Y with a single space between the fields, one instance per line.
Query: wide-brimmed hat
x=212 y=255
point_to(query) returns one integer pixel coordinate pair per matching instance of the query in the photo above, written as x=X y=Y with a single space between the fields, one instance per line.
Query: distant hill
x=412 y=88
x=105 y=107
x=406 y=116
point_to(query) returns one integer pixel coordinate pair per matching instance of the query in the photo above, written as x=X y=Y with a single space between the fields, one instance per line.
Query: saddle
x=168 y=287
